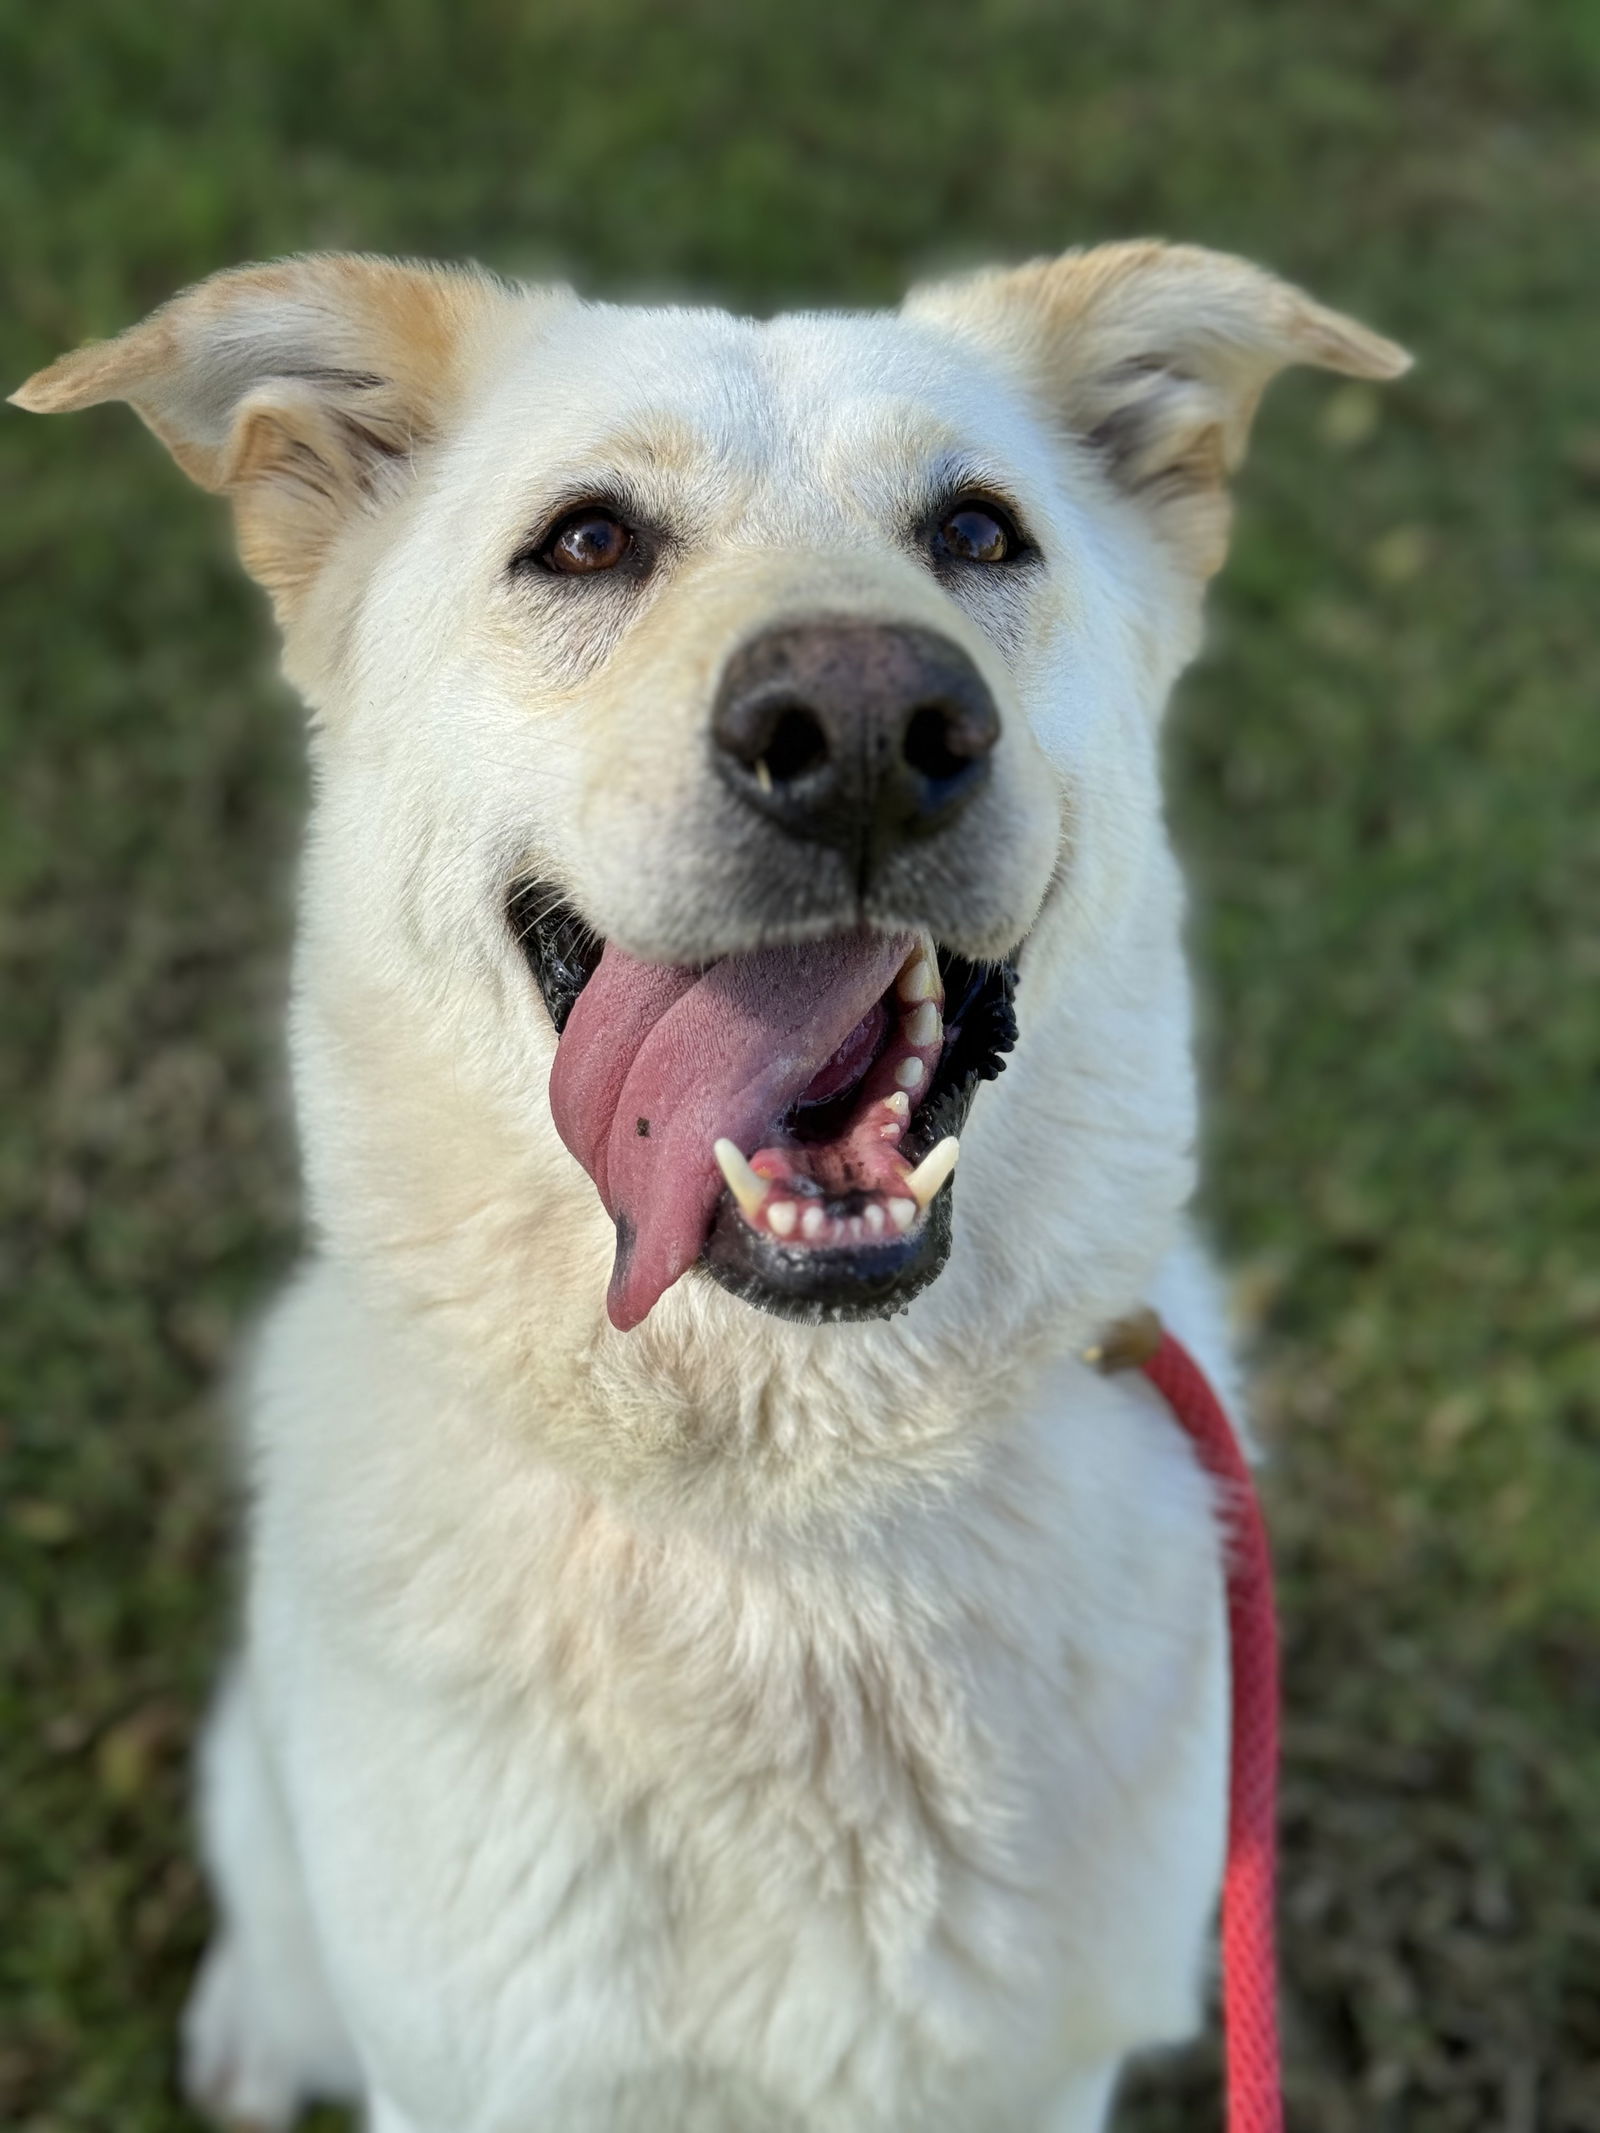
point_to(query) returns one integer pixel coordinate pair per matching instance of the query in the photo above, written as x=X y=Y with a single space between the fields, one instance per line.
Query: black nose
x=857 y=735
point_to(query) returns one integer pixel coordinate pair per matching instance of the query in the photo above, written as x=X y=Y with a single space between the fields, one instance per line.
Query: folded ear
x=1155 y=356
x=300 y=390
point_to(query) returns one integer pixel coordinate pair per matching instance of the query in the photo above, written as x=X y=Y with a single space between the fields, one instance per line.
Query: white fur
x=729 y=1725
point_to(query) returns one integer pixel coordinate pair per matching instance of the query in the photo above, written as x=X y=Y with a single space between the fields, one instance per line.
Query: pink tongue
x=656 y=1063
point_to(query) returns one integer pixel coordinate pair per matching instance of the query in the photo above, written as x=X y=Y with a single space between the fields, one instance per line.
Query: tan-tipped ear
x=1155 y=357
x=299 y=390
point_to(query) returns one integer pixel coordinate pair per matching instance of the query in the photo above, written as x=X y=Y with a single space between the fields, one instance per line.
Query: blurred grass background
x=1386 y=772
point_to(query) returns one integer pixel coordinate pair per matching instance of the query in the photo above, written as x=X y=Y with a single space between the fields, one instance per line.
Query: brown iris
x=588 y=539
x=976 y=531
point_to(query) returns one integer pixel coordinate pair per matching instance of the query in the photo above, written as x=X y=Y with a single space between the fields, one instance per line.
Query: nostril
x=797 y=745
x=773 y=739
x=937 y=746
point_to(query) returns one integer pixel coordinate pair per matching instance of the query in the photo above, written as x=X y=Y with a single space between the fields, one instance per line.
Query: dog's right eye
x=588 y=539
x=976 y=530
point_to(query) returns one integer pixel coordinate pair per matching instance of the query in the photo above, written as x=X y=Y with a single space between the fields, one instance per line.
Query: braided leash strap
x=1249 y=1961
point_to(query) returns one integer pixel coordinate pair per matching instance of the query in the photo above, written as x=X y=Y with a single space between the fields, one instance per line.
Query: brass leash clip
x=1127 y=1343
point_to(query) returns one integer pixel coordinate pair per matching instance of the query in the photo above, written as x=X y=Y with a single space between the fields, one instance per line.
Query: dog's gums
x=788 y=1118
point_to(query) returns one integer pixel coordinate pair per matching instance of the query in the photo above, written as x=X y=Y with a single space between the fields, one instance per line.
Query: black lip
x=562 y=952
x=825 y=1288
x=799 y=1282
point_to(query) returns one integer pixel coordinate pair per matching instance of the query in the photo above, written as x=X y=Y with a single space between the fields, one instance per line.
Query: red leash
x=1249 y=1962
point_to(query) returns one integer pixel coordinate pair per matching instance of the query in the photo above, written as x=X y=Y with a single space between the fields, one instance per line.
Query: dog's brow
x=930 y=487
x=659 y=444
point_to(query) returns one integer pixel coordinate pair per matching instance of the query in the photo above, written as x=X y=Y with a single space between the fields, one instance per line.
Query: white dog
x=718 y=1658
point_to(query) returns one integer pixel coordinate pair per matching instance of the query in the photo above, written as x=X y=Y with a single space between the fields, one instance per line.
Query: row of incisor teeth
x=783 y=1215
x=754 y=1193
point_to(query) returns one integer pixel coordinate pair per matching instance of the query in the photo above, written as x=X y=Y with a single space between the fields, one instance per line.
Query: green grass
x=1386 y=773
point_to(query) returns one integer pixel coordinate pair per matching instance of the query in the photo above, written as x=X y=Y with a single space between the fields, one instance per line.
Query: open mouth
x=786 y=1118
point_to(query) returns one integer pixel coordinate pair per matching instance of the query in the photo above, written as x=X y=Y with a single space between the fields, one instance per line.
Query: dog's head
x=717 y=724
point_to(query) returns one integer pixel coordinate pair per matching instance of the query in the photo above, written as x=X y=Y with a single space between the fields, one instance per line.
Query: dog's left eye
x=974 y=530
x=591 y=538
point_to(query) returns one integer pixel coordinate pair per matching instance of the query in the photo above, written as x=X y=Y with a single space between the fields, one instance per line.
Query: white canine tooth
x=783 y=1215
x=874 y=1218
x=909 y=1073
x=902 y=1213
x=919 y=980
x=813 y=1222
x=748 y=1189
x=932 y=1171
x=900 y=1104
x=922 y=1028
